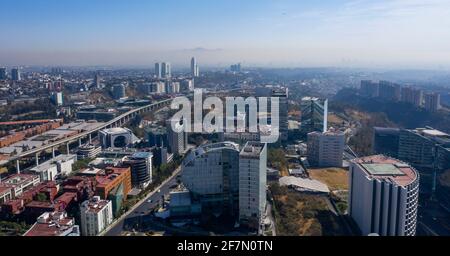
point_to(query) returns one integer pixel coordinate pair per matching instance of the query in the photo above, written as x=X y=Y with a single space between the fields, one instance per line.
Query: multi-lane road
x=143 y=207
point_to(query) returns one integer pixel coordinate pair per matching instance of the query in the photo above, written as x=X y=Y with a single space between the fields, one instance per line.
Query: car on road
x=159 y=190
x=149 y=201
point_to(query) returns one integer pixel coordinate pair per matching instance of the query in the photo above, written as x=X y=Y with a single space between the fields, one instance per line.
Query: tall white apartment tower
x=158 y=72
x=96 y=215
x=177 y=140
x=195 y=72
x=282 y=93
x=166 y=71
x=383 y=196
x=252 y=183
x=432 y=102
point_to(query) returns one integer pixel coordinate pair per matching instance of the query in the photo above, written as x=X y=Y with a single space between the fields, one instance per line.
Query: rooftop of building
x=180 y=197
x=47 y=164
x=310 y=98
x=110 y=174
x=228 y=145
x=331 y=132
x=88 y=147
x=116 y=130
x=428 y=131
x=156 y=129
x=121 y=151
x=435 y=135
x=19 y=179
x=101 y=161
x=95 y=204
x=40 y=204
x=142 y=155
x=51 y=224
x=74 y=182
x=252 y=148
x=304 y=184
x=4 y=189
x=387 y=129
x=66 y=198
x=383 y=167
x=91 y=171
x=218 y=146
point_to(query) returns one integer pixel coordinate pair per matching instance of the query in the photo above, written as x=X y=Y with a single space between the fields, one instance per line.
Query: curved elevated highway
x=116 y=122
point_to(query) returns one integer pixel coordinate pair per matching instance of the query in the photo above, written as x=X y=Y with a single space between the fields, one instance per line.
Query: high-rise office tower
x=282 y=94
x=97 y=81
x=383 y=196
x=118 y=91
x=211 y=172
x=432 y=102
x=57 y=71
x=172 y=86
x=235 y=67
x=15 y=74
x=57 y=98
x=369 y=88
x=412 y=95
x=252 y=183
x=153 y=87
x=177 y=140
x=166 y=71
x=326 y=149
x=389 y=91
x=3 y=74
x=158 y=71
x=314 y=115
x=194 y=68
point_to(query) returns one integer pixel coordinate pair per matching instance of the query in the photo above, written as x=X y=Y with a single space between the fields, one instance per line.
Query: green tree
x=41 y=197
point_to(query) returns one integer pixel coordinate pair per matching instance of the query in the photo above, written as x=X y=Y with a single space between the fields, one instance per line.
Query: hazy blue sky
x=367 y=33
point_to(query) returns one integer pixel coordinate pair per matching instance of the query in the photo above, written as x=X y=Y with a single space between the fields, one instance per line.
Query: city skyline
x=340 y=33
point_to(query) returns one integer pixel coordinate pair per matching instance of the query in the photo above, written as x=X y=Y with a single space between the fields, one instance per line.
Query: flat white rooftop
x=306 y=184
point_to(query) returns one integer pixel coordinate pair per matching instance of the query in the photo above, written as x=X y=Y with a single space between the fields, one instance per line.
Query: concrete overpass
x=42 y=121
x=116 y=122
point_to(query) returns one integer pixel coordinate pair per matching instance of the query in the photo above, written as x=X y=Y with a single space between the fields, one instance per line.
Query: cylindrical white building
x=383 y=196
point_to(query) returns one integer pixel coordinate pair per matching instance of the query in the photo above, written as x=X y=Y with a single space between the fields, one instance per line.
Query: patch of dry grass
x=333 y=119
x=298 y=214
x=334 y=178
